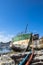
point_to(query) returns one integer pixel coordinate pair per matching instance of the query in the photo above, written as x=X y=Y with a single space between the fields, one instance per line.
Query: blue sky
x=15 y=14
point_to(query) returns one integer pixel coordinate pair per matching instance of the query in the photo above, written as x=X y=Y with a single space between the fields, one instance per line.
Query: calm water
x=4 y=50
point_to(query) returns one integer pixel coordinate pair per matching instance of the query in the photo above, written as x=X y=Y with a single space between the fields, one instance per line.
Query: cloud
x=5 y=37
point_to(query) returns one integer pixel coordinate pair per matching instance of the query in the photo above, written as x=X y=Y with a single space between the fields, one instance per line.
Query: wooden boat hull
x=19 y=45
x=21 y=42
x=17 y=48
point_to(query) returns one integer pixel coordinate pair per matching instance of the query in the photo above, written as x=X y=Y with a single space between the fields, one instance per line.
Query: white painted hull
x=22 y=44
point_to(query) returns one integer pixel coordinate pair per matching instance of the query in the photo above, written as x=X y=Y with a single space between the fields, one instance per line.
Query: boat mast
x=26 y=28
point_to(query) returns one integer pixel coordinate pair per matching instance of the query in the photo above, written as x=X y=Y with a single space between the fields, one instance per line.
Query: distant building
x=5 y=44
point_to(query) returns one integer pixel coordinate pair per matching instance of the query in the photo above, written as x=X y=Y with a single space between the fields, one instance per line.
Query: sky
x=16 y=14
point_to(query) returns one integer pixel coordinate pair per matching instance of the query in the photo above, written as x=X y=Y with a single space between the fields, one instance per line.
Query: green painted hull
x=20 y=42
